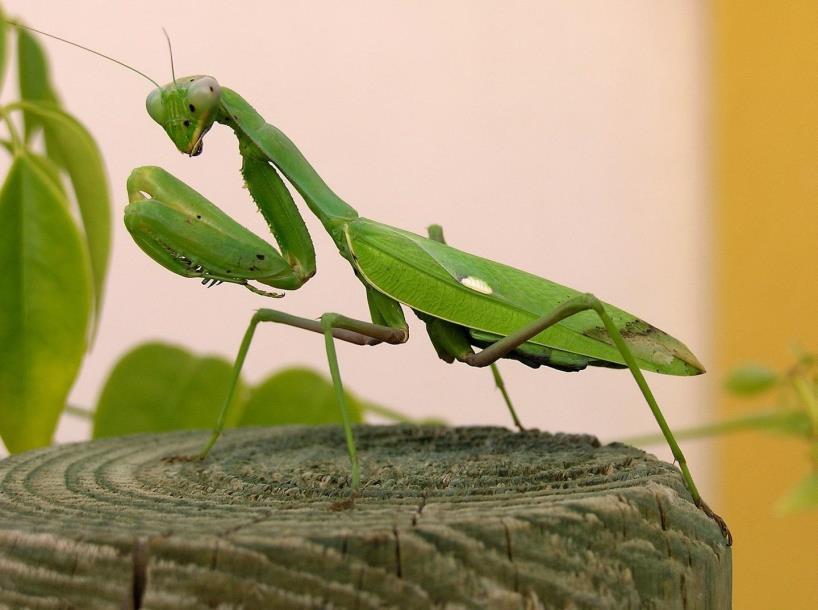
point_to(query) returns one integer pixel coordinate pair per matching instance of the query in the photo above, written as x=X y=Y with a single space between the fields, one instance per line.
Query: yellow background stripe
x=766 y=130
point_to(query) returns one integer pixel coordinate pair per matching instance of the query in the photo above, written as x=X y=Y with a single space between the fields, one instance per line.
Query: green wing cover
x=488 y=296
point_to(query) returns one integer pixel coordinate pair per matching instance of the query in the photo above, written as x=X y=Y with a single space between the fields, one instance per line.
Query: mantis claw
x=719 y=521
x=264 y=293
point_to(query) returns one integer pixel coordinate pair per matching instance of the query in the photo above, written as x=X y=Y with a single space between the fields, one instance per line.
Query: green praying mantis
x=476 y=311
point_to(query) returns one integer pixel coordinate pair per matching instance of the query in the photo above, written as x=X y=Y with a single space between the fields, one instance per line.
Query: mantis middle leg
x=333 y=326
x=449 y=340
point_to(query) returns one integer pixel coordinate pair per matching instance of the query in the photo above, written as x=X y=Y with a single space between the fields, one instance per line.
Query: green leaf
x=50 y=169
x=33 y=73
x=296 y=396
x=82 y=160
x=751 y=379
x=802 y=497
x=3 y=31
x=157 y=387
x=44 y=305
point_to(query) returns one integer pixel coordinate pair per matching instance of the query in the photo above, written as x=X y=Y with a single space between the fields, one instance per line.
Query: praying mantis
x=476 y=311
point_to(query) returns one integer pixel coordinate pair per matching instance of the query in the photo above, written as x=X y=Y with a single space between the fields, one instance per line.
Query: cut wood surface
x=445 y=518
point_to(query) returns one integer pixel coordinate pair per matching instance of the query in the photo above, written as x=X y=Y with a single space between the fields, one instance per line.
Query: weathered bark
x=450 y=518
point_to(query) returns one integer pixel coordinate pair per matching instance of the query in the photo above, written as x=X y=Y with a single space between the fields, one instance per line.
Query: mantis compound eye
x=203 y=96
x=156 y=109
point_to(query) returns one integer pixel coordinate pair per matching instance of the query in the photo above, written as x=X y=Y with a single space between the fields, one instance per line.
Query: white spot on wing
x=662 y=356
x=476 y=284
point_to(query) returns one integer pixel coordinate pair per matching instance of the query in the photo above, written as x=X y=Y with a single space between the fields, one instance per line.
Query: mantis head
x=186 y=109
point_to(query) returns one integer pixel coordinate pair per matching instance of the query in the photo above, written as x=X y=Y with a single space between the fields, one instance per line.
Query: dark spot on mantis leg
x=186 y=123
x=198 y=216
x=211 y=90
x=260 y=257
x=191 y=107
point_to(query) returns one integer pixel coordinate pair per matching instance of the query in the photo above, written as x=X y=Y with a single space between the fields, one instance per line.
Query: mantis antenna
x=84 y=48
x=170 y=50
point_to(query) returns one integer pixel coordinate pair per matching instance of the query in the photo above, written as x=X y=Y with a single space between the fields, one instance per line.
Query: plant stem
x=805 y=394
x=775 y=419
x=16 y=141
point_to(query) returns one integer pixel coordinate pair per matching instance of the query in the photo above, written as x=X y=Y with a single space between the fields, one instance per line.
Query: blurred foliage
x=55 y=232
x=158 y=387
x=750 y=379
x=794 y=413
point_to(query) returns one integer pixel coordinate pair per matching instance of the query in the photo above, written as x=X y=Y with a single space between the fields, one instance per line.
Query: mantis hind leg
x=452 y=342
x=332 y=326
x=585 y=302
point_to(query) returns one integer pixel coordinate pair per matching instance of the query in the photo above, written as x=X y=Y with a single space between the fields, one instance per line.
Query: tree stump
x=445 y=518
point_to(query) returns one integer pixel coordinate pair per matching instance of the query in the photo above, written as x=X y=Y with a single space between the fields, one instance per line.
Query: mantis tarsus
x=465 y=301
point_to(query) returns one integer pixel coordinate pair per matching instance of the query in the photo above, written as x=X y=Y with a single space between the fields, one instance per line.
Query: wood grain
x=446 y=518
